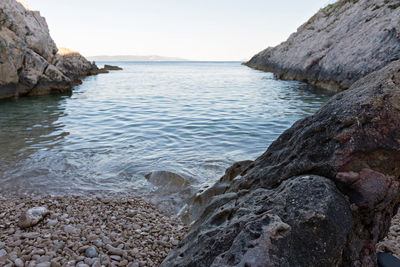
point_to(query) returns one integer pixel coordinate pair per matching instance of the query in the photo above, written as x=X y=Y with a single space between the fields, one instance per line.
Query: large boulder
x=323 y=194
x=340 y=44
x=29 y=63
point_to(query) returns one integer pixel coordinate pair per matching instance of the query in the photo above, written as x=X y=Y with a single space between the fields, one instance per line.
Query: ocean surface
x=190 y=118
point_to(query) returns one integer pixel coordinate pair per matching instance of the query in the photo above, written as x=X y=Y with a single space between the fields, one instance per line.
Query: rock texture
x=339 y=45
x=29 y=62
x=323 y=194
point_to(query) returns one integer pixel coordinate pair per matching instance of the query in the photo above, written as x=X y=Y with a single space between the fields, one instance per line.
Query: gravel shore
x=391 y=243
x=79 y=231
x=114 y=231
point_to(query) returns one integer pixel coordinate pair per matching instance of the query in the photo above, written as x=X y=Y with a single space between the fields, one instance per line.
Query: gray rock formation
x=29 y=63
x=339 y=45
x=323 y=193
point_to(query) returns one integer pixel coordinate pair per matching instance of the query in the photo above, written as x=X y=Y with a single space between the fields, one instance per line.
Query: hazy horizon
x=200 y=31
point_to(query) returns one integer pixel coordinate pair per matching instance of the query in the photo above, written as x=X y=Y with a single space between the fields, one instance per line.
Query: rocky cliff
x=29 y=62
x=323 y=193
x=340 y=44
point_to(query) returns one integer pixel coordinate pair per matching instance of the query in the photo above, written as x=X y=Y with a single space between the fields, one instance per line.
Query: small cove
x=191 y=118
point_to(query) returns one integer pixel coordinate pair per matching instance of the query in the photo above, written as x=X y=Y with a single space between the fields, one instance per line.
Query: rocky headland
x=340 y=44
x=30 y=62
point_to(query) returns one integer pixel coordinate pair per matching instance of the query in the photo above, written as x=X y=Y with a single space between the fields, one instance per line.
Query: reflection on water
x=185 y=117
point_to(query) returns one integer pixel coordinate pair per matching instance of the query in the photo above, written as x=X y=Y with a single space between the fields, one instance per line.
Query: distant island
x=134 y=58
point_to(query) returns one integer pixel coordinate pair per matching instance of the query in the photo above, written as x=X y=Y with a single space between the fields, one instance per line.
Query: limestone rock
x=323 y=194
x=73 y=64
x=339 y=45
x=32 y=217
x=29 y=63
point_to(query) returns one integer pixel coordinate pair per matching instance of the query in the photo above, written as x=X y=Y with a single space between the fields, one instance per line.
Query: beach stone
x=52 y=222
x=114 y=251
x=19 y=263
x=32 y=217
x=91 y=252
x=71 y=230
x=44 y=264
x=115 y=257
x=3 y=252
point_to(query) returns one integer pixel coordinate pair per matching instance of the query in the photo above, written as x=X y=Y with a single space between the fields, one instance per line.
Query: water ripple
x=191 y=118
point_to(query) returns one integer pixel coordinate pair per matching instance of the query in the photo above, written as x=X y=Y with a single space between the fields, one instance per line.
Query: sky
x=192 y=29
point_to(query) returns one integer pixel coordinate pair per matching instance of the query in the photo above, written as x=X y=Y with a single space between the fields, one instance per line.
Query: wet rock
x=169 y=181
x=32 y=217
x=323 y=194
x=199 y=201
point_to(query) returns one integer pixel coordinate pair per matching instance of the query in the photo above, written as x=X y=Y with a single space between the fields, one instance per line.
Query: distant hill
x=134 y=58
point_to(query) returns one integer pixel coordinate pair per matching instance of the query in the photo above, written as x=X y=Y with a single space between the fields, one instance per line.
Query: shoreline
x=84 y=231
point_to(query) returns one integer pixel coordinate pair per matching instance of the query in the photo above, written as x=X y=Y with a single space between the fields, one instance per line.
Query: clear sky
x=191 y=29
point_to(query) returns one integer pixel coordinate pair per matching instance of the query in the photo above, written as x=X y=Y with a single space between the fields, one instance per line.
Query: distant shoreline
x=167 y=61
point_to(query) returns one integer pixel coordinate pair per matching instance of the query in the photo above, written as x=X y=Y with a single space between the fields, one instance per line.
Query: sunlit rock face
x=339 y=45
x=323 y=194
x=28 y=55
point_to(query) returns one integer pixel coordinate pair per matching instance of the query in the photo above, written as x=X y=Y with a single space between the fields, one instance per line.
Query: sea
x=194 y=119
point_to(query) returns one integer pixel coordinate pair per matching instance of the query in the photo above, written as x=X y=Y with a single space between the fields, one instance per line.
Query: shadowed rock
x=323 y=193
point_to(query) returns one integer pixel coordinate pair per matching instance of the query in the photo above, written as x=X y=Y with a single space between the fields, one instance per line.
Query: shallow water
x=190 y=118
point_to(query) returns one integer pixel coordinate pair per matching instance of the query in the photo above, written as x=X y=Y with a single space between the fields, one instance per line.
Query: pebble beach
x=80 y=231
x=391 y=243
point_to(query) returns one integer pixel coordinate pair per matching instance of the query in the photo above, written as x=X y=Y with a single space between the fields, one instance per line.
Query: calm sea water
x=192 y=118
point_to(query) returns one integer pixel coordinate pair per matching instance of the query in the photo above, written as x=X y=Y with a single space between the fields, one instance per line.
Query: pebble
x=19 y=263
x=82 y=231
x=91 y=252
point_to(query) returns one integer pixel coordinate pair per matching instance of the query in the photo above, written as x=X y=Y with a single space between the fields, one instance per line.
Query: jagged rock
x=197 y=204
x=110 y=67
x=32 y=217
x=339 y=45
x=323 y=193
x=73 y=64
x=29 y=63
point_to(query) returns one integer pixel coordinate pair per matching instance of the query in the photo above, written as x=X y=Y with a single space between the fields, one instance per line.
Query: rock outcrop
x=29 y=62
x=339 y=45
x=323 y=193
